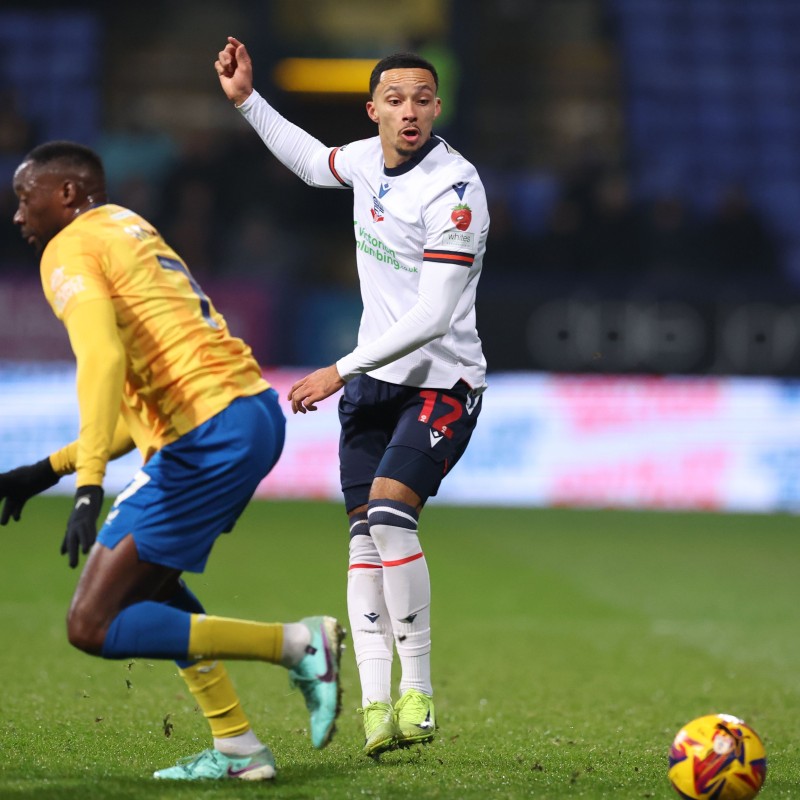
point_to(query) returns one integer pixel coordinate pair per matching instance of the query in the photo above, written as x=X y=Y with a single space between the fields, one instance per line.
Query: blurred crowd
x=592 y=232
x=231 y=210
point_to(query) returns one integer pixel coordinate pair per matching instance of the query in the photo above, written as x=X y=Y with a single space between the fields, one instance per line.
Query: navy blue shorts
x=412 y=435
x=196 y=487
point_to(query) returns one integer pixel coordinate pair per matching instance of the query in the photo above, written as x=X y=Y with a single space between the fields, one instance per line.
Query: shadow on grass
x=398 y=774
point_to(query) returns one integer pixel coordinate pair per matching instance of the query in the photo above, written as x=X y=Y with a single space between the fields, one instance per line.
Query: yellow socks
x=208 y=681
x=222 y=637
x=212 y=638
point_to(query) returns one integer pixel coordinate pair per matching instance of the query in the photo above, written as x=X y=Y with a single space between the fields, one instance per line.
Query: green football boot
x=380 y=728
x=416 y=720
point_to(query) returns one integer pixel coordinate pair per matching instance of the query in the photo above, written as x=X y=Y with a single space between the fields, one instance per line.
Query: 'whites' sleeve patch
x=459 y=240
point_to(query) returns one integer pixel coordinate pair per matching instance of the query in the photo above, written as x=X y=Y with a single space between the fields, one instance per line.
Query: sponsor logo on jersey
x=384 y=189
x=373 y=246
x=459 y=239
x=138 y=232
x=64 y=288
x=461 y=216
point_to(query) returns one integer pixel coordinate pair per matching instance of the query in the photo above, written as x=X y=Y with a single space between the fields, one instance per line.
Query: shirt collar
x=412 y=162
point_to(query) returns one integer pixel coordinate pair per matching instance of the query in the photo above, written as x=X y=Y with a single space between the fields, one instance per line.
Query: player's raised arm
x=306 y=156
x=235 y=70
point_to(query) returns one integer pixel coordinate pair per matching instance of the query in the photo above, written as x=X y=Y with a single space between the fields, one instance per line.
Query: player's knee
x=86 y=631
x=393 y=528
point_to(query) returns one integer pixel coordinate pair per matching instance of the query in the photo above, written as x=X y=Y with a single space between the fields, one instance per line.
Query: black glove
x=22 y=483
x=82 y=524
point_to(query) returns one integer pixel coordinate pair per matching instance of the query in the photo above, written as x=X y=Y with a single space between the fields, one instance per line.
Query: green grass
x=569 y=647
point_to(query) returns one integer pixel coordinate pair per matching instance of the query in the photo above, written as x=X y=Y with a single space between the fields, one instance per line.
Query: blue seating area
x=712 y=98
x=50 y=69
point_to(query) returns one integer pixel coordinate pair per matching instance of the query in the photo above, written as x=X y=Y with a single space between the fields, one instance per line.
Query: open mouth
x=411 y=135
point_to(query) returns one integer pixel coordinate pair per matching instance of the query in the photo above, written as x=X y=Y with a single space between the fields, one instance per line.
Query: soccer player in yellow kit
x=158 y=369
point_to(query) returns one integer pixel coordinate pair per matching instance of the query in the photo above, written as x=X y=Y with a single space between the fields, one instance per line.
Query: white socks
x=370 y=625
x=243 y=745
x=296 y=638
x=388 y=600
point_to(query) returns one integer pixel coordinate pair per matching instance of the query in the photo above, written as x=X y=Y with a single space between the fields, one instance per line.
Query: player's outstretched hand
x=18 y=486
x=82 y=524
x=235 y=71
x=307 y=392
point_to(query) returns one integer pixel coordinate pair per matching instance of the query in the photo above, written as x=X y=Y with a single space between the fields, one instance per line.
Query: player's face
x=404 y=105
x=41 y=209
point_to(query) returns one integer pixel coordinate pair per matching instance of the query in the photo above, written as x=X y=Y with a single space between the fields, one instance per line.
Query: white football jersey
x=420 y=232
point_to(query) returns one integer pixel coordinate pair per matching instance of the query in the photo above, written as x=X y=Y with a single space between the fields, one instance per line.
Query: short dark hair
x=398 y=61
x=70 y=154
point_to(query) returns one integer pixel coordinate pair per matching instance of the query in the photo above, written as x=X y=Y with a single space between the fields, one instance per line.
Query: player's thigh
x=367 y=423
x=431 y=436
x=196 y=487
x=114 y=579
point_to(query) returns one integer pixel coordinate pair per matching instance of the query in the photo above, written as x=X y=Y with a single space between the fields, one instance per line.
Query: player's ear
x=371 y=112
x=69 y=193
x=438 y=107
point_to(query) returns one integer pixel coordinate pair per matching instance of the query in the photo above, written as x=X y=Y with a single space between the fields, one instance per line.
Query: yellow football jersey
x=183 y=366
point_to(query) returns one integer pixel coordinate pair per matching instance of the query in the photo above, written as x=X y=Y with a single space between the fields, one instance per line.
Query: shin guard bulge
x=370 y=625
x=407 y=588
x=209 y=683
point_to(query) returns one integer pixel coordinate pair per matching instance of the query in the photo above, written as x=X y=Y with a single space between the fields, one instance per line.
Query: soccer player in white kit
x=413 y=385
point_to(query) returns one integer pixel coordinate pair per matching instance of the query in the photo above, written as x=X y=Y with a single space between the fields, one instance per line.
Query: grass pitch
x=569 y=648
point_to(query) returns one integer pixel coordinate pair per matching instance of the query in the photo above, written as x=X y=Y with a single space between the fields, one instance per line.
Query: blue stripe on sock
x=393 y=512
x=148 y=630
x=359 y=525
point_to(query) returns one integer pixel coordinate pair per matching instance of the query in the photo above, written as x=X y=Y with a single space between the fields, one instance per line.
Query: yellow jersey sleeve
x=99 y=379
x=181 y=363
x=65 y=460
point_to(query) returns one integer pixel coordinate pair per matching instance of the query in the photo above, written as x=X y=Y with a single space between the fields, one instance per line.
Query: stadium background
x=639 y=298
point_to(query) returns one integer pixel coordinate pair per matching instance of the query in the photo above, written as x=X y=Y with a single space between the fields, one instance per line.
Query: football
x=717 y=757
